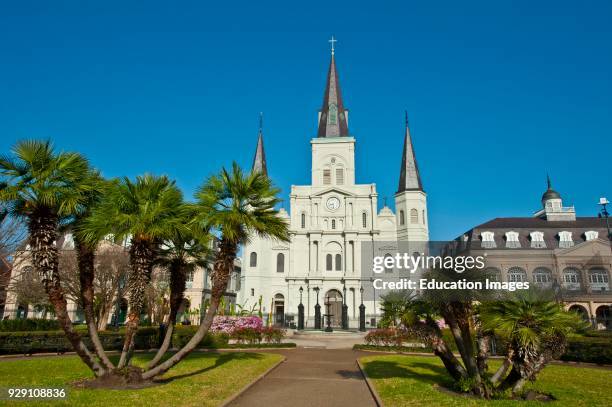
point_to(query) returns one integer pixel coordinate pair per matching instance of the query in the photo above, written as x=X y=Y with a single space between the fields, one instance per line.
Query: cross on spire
x=332 y=42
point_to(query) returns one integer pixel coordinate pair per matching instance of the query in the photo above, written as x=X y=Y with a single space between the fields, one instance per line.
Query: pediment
x=333 y=189
x=596 y=247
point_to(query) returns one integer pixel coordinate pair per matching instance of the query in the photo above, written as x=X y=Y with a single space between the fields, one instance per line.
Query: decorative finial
x=548 y=183
x=385 y=200
x=260 y=122
x=332 y=41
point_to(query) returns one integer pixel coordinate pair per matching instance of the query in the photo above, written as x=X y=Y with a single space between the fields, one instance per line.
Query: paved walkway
x=310 y=378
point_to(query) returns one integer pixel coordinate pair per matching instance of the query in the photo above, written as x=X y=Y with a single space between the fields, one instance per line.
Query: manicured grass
x=407 y=381
x=203 y=379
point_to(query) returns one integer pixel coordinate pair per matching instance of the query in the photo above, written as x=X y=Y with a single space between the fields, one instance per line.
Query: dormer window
x=537 y=240
x=488 y=240
x=591 y=235
x=565 y=239
x=512 y=240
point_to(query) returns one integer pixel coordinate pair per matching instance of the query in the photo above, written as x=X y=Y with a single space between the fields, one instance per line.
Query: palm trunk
x=142 y=256
x=177 y=289
x=504 y=367
x=85 y=259
x=43 y=235
x=224 y=264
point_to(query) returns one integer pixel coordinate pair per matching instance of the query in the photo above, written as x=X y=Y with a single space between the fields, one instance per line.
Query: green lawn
x=203 y=379
x=407 y=381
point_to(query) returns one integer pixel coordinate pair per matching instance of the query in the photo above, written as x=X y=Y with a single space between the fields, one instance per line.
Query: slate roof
x=332 y=122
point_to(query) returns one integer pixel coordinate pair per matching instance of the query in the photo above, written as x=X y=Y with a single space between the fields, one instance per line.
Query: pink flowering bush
x=228 y=325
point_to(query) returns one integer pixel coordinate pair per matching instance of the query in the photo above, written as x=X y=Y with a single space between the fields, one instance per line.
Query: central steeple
x=333 y=117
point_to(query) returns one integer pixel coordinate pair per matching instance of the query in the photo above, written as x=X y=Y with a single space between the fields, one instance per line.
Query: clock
x=332 y=203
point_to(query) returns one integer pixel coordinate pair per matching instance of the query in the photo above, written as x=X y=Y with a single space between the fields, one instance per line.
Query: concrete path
x=310 y=378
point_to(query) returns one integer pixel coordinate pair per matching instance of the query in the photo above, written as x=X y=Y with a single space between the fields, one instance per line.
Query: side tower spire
x=259 y=161
x=410 y=199
x=333 y=120
x=410 y=178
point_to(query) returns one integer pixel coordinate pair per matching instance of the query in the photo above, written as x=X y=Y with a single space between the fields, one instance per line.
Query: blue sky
x=498 y=92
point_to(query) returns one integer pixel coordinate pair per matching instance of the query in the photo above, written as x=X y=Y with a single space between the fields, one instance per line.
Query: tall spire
x=410 y=178
x=332 y=117
x=259 y=161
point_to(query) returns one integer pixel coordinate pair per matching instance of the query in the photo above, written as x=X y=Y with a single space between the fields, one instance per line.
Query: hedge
x=593 y=347
x=17 y=325
x=55 y=341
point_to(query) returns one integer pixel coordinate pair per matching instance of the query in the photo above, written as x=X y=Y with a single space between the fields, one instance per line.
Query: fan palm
x=536 y=329
x=45 y=188
x=144 y=212
x=236 y=206
x=180 y=256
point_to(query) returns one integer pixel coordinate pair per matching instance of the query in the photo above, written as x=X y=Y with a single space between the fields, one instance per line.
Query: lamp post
x=317 y=311
x=301 y=311
x=362 y=327
x=328 y=315
x=344 y=306
x=603 y=201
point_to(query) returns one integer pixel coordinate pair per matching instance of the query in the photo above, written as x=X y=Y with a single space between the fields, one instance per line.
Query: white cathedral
x=329 y=220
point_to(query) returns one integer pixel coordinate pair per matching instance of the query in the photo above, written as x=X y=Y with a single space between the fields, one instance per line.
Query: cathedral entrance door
x=333 y=306
x=279 y=310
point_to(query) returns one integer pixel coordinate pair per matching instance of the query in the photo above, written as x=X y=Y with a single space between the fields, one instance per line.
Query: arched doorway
x=333 y=307
x=279 y=310
x=603 y=316
x=580 y=310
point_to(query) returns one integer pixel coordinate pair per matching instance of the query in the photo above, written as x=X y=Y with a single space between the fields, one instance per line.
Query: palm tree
x=46 y=188
x=236 y=206
x=144 y=212
x=180 y=256
x=536 y=330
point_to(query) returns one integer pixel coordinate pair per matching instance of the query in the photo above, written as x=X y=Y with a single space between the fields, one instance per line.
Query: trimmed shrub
x=26 y=325
x=273 y=335
x=183 y=334
x=55 y=341
x=594 y=349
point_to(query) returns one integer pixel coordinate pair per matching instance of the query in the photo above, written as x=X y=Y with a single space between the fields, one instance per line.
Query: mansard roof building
x=555 y=249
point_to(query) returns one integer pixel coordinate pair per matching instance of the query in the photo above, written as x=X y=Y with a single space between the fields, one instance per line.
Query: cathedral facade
x=330 y=220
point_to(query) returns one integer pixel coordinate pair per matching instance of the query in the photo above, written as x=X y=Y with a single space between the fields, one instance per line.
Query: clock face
x=333 y=203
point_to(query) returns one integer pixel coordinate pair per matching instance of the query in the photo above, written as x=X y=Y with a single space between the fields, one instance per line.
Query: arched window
x=364 y=219
x=253 y=260
x=598 y=278
x=414 y=216
x=303 y=220
x=402 y=220
x=333 y=223
x=338 y=262
x=493 y=274
x=329 y=262
x=517 y=275
x=280 y=263
x=542 y=276
x=571 y=278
